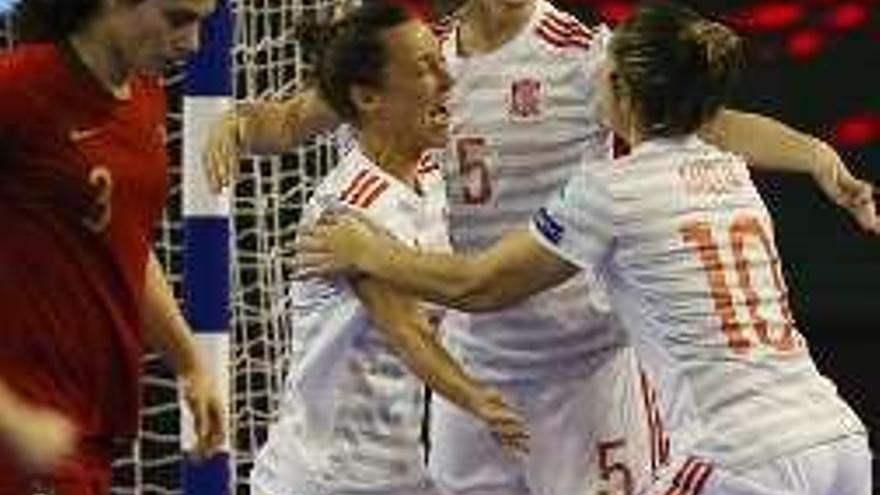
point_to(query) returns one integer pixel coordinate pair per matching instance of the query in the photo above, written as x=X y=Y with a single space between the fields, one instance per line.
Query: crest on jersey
x=525 y=98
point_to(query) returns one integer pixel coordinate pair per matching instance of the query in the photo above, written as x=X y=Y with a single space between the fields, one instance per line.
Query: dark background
x=814 y=64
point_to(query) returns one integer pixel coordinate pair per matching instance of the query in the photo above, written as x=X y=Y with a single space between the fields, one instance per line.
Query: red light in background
x=615 y=12
x=769 y=15
x=847 y=16
x=857 y=130
x=805 y=44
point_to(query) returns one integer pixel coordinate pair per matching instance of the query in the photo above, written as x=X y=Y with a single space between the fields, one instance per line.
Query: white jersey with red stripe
x=523 y=118
x=351 y=412
x=683 y=239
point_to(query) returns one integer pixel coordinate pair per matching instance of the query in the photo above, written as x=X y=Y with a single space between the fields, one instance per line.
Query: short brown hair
x=676 y=66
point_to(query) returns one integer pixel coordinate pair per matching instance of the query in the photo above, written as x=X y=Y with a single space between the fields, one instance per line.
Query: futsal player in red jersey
x=82 y=184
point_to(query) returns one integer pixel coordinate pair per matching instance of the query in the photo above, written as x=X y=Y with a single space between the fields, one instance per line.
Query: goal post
x=207 y=93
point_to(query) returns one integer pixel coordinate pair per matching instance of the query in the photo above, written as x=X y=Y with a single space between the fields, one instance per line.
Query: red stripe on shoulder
x=374 y=194
x=562 y=30
x=353 y=185
x=701 y=479
x=363 y=188
x=570 y=23
x=554 y=37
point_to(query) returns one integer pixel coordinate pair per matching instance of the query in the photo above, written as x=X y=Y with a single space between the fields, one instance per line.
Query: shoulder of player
x=562 y=31
x=360 y=186
x=26 y=66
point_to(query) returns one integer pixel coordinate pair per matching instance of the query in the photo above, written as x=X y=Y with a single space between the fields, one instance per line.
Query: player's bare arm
x=768 y=143
x=38 y=437
x=262 y=127
x=409 y=333
x=168 y=332
x=483 y=281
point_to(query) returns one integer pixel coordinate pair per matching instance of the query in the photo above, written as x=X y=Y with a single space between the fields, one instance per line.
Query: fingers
x=218 y=426
x=209 y=423
x=221 y=152
x=507 y=427
x=859 y=197
x=511 y=433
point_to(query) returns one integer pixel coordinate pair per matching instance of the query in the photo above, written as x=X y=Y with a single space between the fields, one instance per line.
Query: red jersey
x=83 y=179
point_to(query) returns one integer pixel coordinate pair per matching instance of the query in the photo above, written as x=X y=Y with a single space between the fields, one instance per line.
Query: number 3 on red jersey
x=473 y=168
x=749 y=239
x=100 y=212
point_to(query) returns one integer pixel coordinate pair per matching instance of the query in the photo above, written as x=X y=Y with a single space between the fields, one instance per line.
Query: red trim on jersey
x=558 y=41
x=374 y=194
x=353 y=185
x=427 y=164
x=659 y=440
x=364 y=189
x=691 y=478
x=562 y=33
x=428 y=168
x=569 y=23
x=443 y=28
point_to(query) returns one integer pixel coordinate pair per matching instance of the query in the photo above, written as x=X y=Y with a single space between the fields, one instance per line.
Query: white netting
x=268 y=62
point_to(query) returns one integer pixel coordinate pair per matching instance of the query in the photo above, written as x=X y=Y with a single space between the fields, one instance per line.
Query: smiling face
x=411 y=103
x=152 y=33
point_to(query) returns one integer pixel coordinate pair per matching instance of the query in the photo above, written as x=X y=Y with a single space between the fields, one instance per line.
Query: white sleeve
x=592 y=60
x=577 y=223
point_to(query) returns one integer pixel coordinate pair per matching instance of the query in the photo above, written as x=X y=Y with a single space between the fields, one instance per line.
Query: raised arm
x=770 y=144
x=409 y=333
x=515 y=267
x=262 y=127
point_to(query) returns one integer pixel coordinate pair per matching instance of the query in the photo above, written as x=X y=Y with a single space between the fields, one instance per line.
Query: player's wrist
x=825 y=161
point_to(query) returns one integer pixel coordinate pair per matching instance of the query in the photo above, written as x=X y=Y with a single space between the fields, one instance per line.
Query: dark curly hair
x=52 y=20
x=354 y=55
x=676 y=66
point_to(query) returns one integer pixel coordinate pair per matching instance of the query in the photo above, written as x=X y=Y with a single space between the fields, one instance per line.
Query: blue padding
x=206 y=273
x=206 y=477
x=209 y=72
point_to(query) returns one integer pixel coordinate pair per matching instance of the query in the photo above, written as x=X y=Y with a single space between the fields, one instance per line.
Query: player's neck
x=102 y=61
x=392 y=156
x=483 y=31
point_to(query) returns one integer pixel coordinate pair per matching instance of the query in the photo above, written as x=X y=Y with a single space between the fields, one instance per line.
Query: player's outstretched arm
x=515 y=267
x=167 y=330
x=262 y=127
x=408 y=332
x=768 y=143
x=39 y=438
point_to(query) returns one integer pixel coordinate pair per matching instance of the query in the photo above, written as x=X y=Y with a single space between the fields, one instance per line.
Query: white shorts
x=587 y=434
x=282 y=467
x=842 y=467
x=264 y=482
